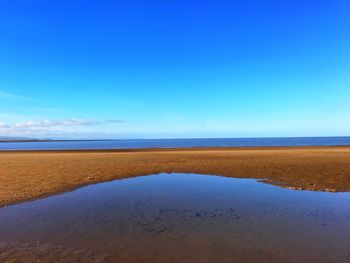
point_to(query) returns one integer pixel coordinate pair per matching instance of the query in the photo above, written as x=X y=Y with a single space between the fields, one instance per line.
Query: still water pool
x=179 y=218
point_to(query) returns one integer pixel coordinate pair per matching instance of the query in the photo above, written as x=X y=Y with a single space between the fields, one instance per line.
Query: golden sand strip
x=29 y=175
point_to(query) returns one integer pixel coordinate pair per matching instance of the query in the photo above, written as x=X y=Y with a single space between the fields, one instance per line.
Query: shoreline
x=31 y=174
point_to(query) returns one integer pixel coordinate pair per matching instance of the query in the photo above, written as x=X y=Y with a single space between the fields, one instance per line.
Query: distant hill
x=11 y=139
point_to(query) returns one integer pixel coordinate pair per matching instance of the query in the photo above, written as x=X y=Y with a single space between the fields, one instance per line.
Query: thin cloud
x=4 y=125
x=56 y=123
x=49 y=123
x=51 y=128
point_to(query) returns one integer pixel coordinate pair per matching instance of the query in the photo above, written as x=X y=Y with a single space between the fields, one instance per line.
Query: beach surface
x=28 y=175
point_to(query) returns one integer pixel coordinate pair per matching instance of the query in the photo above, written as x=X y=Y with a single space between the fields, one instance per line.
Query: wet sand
x=34 y=174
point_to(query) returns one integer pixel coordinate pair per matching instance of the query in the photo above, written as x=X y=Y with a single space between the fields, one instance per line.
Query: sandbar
x=28 y=175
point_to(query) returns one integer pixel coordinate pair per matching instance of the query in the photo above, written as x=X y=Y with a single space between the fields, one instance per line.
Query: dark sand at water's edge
x=33 y=174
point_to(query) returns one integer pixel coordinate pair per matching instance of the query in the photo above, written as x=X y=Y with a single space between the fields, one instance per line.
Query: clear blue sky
x=174 y=68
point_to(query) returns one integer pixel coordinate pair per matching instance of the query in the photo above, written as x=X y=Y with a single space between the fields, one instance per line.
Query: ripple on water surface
x=179 y=218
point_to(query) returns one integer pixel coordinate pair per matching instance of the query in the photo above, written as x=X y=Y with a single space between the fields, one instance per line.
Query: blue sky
x=160 y=69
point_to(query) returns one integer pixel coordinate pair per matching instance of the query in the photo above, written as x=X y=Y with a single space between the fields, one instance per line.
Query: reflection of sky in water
x=198 y=214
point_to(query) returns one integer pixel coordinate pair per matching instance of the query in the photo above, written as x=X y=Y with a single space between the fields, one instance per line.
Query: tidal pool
x=179 y=218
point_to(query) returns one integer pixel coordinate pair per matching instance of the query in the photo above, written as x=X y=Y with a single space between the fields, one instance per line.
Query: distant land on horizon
x=8 y=138
x=27 y=139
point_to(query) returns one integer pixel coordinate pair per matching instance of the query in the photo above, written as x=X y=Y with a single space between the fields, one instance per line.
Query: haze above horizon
x=174 y=69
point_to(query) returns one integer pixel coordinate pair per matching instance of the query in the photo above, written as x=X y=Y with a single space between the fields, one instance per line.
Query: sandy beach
x=34 y=174
x=150 y=218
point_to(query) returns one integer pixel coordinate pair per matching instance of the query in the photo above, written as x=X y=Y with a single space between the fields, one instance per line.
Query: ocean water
x=179 y=218
x=174 y=143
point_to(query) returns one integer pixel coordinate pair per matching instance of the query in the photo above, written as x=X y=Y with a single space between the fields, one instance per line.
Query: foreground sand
x=29 y=175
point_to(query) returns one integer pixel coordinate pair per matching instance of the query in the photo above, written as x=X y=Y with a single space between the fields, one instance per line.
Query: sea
x=174 y=143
